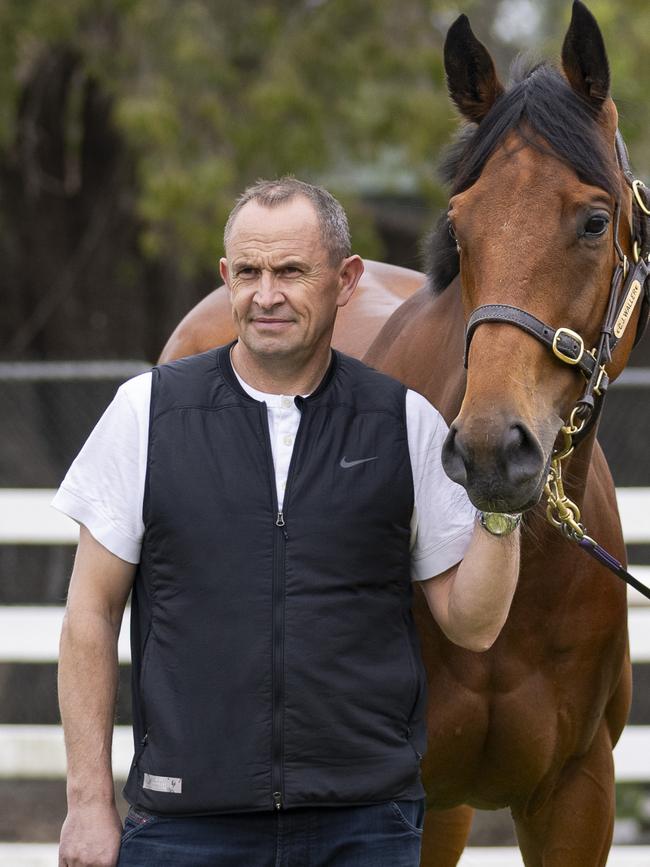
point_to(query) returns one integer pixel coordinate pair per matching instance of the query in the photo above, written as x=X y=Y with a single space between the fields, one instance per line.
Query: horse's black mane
x=541 y=106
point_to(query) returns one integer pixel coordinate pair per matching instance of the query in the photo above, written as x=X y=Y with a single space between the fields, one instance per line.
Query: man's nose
x=268 y=293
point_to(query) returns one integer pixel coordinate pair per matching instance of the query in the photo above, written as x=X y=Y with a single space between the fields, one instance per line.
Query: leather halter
x=630 y=283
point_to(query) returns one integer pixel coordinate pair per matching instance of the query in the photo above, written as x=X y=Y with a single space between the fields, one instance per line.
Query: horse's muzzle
x=502 y=468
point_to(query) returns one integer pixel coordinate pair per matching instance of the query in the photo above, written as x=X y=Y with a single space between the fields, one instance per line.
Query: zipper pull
x=138 y=754
x=279 y=522
x=277 y=800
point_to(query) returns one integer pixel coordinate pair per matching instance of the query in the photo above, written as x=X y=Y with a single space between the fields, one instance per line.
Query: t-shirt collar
x=224 y=363
x=272 y=400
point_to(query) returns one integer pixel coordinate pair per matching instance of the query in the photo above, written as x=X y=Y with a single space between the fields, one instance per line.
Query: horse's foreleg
x=445 y=835
x=574 y=826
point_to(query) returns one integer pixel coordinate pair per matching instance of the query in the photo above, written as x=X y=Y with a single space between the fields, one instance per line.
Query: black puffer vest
x=275 y=659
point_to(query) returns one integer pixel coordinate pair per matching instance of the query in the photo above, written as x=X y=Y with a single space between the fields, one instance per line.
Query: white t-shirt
x=104 y=487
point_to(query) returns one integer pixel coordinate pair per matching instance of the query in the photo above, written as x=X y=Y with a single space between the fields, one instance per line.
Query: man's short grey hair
x=335 y=231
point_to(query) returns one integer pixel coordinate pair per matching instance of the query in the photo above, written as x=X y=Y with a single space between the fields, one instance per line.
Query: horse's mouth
x=490 y=495
x=494 y=484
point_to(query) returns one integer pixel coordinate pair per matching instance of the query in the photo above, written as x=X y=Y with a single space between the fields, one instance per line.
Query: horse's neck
x=422 y=346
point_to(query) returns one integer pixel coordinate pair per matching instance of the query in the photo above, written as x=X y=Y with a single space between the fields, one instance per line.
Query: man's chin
x=270 y=345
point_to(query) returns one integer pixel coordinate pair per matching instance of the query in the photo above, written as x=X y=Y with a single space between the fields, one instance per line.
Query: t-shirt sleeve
x=104 y=487
x=443 y=516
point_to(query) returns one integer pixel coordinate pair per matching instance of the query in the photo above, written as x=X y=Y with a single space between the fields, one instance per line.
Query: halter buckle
x=567 y=359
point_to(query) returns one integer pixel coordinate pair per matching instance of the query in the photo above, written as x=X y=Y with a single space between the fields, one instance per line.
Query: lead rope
x=563 y=514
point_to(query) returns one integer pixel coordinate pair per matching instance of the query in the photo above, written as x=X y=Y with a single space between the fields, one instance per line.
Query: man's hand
x=90 y=837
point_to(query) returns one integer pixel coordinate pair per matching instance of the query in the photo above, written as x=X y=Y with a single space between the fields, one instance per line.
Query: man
x=269 y=503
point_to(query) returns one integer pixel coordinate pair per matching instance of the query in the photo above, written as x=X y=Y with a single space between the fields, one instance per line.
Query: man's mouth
x=271 y=321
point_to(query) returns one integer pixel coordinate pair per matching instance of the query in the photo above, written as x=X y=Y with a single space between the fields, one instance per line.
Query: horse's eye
x=596 y=225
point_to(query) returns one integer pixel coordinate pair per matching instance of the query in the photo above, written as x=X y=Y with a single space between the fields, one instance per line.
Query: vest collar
x=224 y=364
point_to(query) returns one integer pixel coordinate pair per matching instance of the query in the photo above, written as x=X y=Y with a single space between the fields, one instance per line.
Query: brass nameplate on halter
x=628 y=306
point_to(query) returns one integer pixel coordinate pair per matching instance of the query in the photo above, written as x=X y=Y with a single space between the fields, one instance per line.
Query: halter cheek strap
x=640 y=231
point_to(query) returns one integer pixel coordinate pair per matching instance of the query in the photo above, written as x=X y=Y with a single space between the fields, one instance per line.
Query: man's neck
x=280 y=375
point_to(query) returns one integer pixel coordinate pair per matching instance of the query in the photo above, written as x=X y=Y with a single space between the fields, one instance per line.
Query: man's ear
x=223 y=271
x=472 y=80
x=349 y=276
x=584 y=58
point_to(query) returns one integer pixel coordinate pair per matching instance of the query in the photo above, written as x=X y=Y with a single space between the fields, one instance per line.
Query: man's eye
x=246 y=272
x=291 y=270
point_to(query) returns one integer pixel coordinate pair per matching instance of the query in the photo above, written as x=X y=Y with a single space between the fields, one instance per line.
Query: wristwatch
x=499 y=523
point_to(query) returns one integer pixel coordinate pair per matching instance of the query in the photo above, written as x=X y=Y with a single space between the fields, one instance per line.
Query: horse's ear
x=584 y=58
x=471 y=77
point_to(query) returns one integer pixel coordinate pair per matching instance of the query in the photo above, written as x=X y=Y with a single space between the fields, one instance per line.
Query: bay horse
x=542 y=215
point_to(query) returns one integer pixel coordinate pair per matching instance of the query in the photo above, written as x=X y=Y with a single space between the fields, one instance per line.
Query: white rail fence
x=31 y=633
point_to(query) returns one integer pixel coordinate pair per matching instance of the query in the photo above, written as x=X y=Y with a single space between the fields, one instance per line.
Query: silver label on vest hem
x=163 y=784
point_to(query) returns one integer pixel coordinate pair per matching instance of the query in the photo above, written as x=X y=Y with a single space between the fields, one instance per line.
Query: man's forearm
x=482 y=589
x=88 y=677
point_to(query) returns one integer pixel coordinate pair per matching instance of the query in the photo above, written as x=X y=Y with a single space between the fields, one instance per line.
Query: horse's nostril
x=514 y=437
x=522 y=454
x=455 y=457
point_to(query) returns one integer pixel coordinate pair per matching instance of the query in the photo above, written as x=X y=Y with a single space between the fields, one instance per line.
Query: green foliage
x=211 y=95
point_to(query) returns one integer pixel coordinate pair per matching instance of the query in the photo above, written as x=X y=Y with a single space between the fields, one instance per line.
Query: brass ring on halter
x=550 y=517
x=637 y=195
x=571 y=428
x=636 y=251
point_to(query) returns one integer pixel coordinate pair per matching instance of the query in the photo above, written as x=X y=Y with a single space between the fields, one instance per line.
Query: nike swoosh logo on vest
x=345 y=463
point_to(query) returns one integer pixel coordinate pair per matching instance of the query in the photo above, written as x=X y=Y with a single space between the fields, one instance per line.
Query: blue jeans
x=380 y=835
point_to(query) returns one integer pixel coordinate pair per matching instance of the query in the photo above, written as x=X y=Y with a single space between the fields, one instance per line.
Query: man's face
x=284 y=290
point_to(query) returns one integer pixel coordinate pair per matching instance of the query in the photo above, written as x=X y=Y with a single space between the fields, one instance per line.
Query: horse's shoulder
x=381 y=290
x=393 y=279
x=207 y=324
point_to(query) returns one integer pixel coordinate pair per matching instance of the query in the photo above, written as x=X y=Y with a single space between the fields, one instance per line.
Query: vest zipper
x=277 y=665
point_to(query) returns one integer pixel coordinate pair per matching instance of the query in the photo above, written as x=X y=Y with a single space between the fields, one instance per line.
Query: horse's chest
x=501 y=722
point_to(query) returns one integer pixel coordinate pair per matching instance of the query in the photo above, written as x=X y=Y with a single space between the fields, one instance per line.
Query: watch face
x=499 y=523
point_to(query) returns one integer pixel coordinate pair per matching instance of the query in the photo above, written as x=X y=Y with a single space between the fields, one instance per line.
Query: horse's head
x=538 y=219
